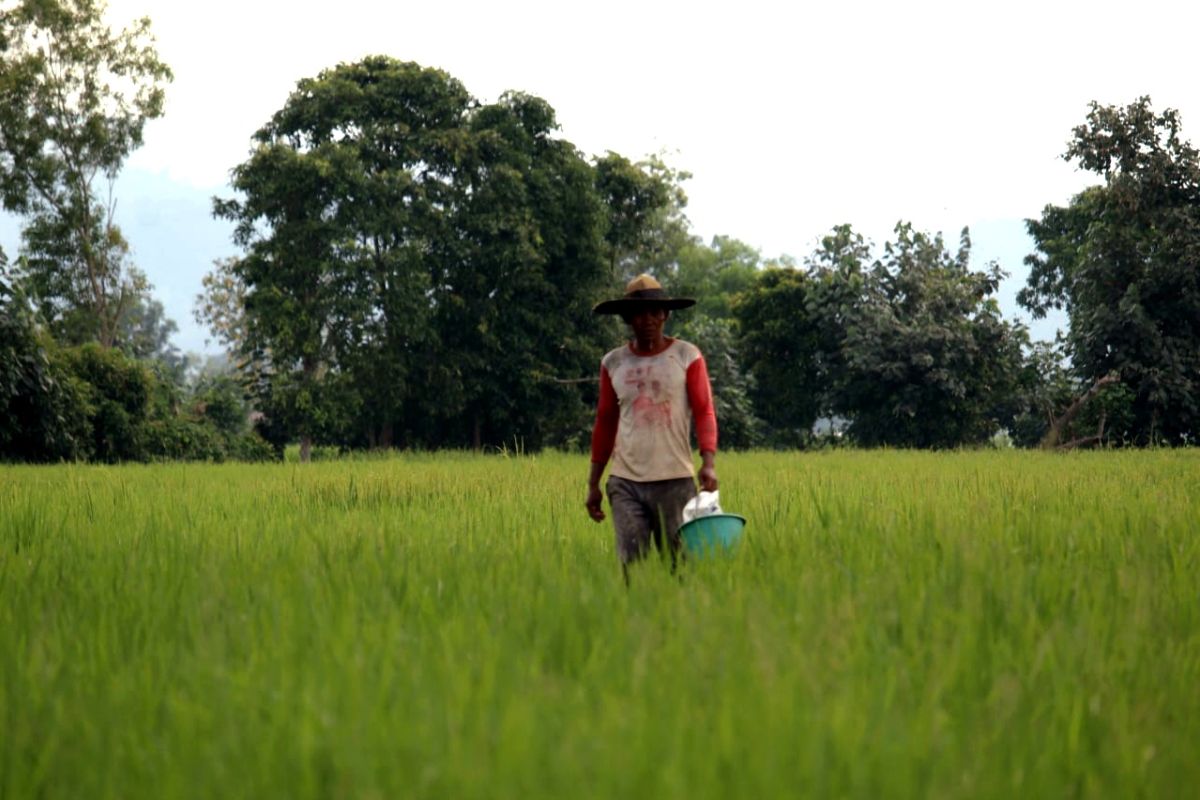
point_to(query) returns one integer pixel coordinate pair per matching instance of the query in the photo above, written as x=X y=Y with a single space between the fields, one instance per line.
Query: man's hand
x=594 y=500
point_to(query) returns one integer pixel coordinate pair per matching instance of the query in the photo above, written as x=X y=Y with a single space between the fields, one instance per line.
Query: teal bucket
x=712 y=533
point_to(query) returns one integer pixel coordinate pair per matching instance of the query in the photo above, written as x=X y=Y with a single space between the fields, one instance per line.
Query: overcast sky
x=793 y=117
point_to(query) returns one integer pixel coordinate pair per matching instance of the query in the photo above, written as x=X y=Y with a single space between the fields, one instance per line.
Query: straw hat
x=642 y=292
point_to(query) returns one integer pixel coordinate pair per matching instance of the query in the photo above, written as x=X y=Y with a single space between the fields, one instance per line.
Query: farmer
x=647 y=389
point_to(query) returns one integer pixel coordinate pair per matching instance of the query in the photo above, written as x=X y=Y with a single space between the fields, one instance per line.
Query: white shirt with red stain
x=646 y=410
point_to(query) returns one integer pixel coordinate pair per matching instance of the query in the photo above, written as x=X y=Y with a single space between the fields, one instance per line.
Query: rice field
x=989 y=624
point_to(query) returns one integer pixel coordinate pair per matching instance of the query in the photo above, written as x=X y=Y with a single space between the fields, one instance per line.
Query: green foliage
x=116 y=399
x=41 y=410
x=714 y=275
x=1048 y=387
x=74 y=99
x=419 y=267
x=929 y=362
x=181 y=439
x=910 y=348
x=644 y=201
x=514 y=315
x=94 y=403
x=780 y=349
x=145 y=334
x=221 y=400
x=1122 y=259
x=250 y=447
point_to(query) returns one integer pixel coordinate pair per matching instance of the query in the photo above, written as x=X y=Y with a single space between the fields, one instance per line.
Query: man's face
x=647 y=323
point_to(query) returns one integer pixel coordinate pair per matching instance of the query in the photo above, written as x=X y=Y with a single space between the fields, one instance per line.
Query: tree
x=793 y=326
x=647 y=227
x=1123 y=259
x=909 y=347
x=781 y=350
x=221 y=306
x=513 y=310
x=74 y=99
x=348 y=185
x=419 y=267
x=145 y=334
x=928 y=360
x=714 y=274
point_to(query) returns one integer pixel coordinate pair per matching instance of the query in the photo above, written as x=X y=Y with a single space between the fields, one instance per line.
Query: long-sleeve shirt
x=642 y=419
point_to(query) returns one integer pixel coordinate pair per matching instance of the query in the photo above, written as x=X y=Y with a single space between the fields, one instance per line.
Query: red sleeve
x=700 y=398
x=608 y=413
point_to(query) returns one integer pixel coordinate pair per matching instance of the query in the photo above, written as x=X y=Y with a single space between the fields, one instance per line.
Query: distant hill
x=174 y=239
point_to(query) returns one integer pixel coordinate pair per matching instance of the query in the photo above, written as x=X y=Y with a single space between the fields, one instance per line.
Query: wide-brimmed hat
x=642 y=292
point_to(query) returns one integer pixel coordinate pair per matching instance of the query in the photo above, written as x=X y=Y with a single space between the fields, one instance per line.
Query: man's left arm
x=704 y=418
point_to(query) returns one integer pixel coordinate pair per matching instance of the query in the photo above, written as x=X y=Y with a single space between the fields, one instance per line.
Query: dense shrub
x=182 y=439
x=251 y=447
x=116 y=393
x=95 y=403
x=42 y=414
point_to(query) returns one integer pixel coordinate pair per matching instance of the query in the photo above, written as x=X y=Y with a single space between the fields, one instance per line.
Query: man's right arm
x=604 y=438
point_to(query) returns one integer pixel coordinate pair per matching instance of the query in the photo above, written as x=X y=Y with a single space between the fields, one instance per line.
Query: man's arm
x=604 y=437
x=704 y=418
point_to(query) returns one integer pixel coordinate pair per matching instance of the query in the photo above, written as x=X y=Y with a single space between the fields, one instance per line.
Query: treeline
x=417 y=270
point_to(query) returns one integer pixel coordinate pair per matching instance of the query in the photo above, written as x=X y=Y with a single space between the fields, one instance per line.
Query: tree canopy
x=74 y=100
x=431 y=257
x=1123 y=259
x=910 y=348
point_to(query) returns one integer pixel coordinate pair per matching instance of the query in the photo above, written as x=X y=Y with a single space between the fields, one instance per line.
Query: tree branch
x=1054 y=436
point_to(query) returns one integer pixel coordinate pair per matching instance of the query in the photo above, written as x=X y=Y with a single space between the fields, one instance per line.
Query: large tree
x=513 y=306
x=418 y=266
x=74 y=100
x=1123 y=259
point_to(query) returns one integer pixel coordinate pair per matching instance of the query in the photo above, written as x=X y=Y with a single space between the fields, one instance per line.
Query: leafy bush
x=221 y=401
x=182 y=439
x=41 y=408
x=116 y=393
x=251 y=447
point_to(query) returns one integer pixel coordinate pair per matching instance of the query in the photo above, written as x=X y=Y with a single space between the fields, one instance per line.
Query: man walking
x=652 y=390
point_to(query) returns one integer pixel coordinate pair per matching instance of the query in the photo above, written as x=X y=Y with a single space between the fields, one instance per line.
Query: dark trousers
x=648 y=513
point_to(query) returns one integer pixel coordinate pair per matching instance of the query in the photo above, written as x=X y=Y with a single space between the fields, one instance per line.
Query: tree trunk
x=477 y=434
x=387 y=435
x=1053 y=437
x=305 y=449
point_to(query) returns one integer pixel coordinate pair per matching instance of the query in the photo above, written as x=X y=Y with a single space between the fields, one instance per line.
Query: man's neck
x=652 y=347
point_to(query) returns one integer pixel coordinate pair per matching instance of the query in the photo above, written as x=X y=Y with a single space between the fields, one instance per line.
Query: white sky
x=793 y=117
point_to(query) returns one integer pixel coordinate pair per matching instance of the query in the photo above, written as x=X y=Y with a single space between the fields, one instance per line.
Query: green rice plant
x=894 y=624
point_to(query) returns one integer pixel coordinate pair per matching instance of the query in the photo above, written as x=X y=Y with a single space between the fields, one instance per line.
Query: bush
x=116 y=393
x=251 y=447
x=182 y=439
x=222 y=402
